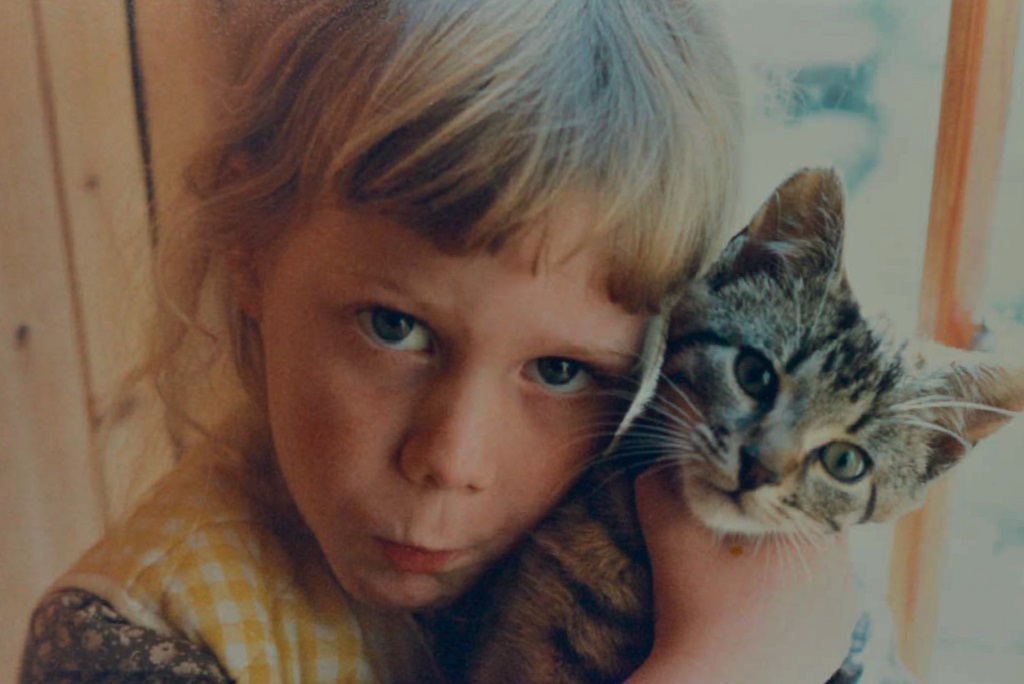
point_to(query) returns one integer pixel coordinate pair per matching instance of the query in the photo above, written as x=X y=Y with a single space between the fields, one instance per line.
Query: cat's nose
x=753 y=473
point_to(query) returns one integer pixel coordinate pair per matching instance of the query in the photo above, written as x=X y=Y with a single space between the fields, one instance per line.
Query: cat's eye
x=394 y=329
x=755 y=375
x=845 y=462
x=558 y=374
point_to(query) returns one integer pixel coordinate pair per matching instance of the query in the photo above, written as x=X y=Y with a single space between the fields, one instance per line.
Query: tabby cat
x=790 y=412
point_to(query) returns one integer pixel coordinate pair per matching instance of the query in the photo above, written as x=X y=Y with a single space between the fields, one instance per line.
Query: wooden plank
x=975 y=105
x=184 y=58
x=46 y=494
x=102 y=178
x=190 y=54
x=975 y=101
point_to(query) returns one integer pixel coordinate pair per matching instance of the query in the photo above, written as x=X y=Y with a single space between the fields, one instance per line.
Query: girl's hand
x=730 y=611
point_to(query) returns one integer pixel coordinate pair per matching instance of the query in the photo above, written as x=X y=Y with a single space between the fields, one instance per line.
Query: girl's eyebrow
x=614 y=360
x=377 y=281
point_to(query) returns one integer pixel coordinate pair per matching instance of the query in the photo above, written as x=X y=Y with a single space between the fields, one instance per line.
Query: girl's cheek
x=576 y=428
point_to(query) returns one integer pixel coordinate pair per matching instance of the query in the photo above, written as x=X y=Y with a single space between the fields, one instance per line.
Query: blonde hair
x=469 y=120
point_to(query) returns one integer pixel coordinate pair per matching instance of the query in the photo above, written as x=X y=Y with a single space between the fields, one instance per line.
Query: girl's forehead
x=561 y=245
x=566 y=234
x=568 y=230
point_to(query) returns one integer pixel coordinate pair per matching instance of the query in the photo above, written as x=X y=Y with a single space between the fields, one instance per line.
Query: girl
x=426 y=248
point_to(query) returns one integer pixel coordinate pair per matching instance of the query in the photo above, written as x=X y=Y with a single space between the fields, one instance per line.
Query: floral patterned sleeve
x=76 y=637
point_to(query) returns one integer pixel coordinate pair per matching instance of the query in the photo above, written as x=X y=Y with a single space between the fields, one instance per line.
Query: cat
x=781 y=408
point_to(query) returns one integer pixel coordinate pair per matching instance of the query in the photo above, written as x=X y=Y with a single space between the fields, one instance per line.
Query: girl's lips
x=416 y=560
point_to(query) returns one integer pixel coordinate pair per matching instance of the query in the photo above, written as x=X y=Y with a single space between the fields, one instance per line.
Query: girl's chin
x=407 y=592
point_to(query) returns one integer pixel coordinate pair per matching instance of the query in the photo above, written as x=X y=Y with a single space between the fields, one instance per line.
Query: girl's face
x=427 y=408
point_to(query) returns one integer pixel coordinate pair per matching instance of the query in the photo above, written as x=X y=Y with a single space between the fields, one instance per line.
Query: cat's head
x=791 y=410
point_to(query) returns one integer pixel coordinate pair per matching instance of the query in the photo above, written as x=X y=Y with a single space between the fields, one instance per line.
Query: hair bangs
x=601 y=99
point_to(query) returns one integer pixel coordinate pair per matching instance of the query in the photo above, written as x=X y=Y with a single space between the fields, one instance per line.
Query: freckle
x=21 y=336
x=736 y=550
x=92 y=182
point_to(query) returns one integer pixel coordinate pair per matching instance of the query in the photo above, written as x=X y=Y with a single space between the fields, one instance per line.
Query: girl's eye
x=845 y=462
x=394 y=329
x=755 y=375
x=560 y=375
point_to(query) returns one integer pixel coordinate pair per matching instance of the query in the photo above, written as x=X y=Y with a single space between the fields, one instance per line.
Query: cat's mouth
x=717 y=507
x=733 y=495
x=714 y=468
x=713 y=487
x=724 y=509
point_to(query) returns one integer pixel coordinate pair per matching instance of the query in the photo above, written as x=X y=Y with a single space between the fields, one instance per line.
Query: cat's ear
x=974 y=395
x=798 y=230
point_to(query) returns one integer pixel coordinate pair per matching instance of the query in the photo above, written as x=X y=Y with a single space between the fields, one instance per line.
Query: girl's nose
x=454 y=437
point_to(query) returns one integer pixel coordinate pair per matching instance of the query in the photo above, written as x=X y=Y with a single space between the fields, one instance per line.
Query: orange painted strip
x=975 y=101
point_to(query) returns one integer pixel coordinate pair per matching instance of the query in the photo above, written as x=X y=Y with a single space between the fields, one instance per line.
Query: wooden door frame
x=978 y=80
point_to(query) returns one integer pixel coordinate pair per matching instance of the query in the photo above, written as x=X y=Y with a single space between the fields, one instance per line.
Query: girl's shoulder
x=73 y=632
x=202 y=559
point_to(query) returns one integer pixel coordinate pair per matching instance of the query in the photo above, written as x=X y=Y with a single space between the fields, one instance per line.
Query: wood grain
x=102 y=182
x=48 y=497
x=975 y=98
x=183 y=49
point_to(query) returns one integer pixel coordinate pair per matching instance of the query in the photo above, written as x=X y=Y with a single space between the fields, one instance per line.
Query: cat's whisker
x=669 y=426
x=590 y=432
x=917 y=401
x=662 y=465
x=937 y=428
x=682 y=394
x=664 y=407
x=624 y=452
x=779 y=543
x=958 y=405
x=801 y=534
x=814 y=530
x=660 y=433
x=668 y=438
x=674 y=431
x=795 y=542
x=656 y=465
x=640 y=458
x=658 y=461
x=593 y=434
x=669 y=460
x=678 y=431
x=782 y=544
x=675 y=392
x=783 y=541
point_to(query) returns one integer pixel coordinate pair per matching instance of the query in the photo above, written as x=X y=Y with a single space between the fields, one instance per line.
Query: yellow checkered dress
x=200 y=559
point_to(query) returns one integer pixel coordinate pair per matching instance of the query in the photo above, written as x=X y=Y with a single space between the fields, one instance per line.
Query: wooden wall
x=72 y=200
x=75 y=243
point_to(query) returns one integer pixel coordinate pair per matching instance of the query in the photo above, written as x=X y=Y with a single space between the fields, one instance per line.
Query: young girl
x=426 y=249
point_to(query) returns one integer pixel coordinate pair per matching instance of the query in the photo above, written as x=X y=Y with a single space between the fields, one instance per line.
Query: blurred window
x=857 y=84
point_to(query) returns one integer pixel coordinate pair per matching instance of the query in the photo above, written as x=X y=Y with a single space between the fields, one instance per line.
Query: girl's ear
x=975 y=395
x=244 y=274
